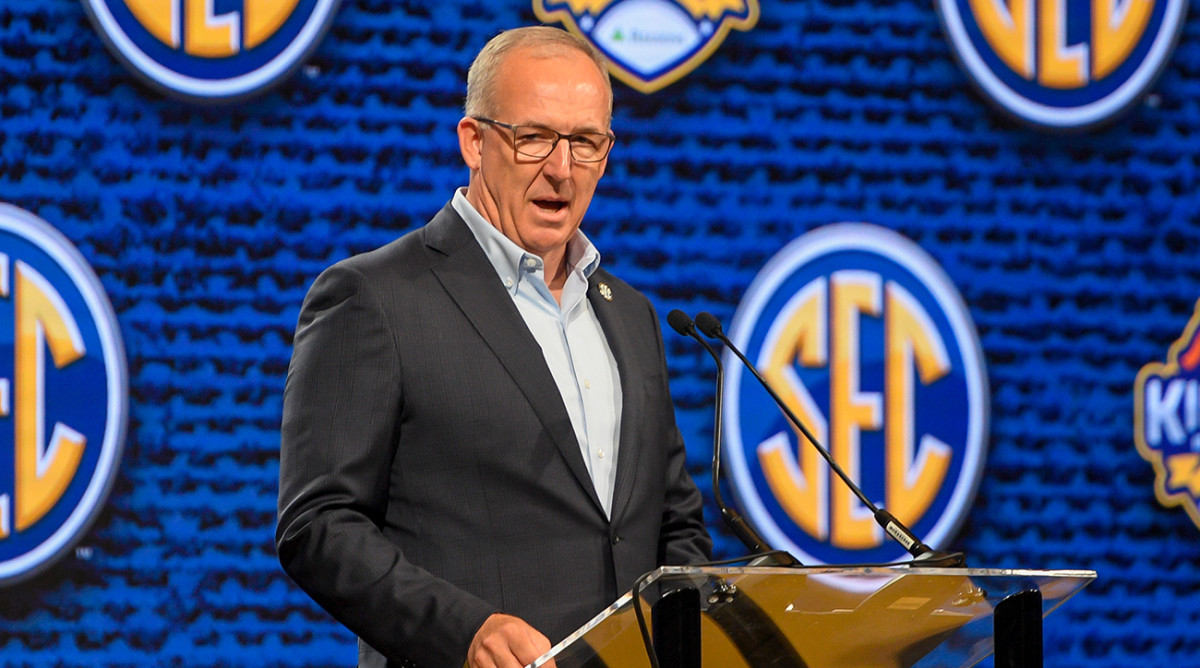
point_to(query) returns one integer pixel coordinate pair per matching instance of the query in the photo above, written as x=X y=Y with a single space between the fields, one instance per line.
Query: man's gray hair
x=481 y=78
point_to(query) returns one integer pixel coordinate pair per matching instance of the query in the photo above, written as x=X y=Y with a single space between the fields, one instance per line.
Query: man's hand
x=505 y=641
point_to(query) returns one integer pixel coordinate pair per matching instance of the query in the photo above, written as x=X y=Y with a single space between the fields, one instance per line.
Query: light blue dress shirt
x=570 y=336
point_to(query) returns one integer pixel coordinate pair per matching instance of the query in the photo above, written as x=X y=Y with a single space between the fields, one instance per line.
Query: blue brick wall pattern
x=1076 y=255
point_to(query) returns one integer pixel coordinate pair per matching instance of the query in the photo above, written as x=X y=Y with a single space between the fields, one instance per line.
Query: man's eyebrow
x=585 y=129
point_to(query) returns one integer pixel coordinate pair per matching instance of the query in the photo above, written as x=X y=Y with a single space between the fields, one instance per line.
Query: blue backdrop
x=1076 y=255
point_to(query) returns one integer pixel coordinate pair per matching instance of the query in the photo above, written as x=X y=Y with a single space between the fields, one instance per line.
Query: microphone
x=711 y=327
x=681 y=323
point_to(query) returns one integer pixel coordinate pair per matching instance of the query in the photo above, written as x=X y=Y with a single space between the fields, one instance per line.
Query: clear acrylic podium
x=824 y=617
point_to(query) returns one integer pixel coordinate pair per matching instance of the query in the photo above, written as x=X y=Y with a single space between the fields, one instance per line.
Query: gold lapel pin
x=605 y=291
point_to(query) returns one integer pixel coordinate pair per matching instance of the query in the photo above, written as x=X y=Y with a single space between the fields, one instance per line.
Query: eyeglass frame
x=612 y=139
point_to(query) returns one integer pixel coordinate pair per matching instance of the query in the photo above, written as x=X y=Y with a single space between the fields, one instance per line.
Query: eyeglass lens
x=538 y=142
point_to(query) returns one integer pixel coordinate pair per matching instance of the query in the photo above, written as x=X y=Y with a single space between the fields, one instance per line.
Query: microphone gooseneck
x=711 y=327
x=682 y=324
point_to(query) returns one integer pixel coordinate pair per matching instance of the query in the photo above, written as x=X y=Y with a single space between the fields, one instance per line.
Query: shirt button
x=508 y=283
x=600 y=453
x=530 y=262
x=587 y=383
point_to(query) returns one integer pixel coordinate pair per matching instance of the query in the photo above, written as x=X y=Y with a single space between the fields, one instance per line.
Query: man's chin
x=549 y=238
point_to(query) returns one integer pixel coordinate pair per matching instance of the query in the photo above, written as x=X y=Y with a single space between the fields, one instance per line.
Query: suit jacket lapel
x=612 y=317
x=469 y=279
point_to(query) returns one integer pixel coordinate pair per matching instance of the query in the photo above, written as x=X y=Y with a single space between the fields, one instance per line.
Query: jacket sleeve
x=341 y=425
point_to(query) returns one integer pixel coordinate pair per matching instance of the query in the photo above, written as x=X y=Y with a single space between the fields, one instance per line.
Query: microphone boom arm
x=711 y=327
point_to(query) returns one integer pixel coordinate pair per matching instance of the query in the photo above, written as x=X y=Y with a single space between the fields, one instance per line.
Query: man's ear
x=470 y=138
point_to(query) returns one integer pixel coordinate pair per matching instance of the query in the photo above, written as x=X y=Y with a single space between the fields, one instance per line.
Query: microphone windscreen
x=679 y=321
x=708 y=324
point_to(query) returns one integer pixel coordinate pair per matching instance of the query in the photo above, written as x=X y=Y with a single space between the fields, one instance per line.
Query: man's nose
x=558 y=163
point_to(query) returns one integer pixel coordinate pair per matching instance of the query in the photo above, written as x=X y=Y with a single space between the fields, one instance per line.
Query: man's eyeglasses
x=534 y=141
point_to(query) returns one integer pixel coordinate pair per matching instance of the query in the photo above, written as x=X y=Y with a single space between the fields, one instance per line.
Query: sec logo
x=1063 y=64
x=211 y=49
x=63 y=395
x=864 y=337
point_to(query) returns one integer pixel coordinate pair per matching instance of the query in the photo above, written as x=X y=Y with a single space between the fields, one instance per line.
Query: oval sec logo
x=63 y=394
x=211 y=49
x=867 y=341
x=1063 y=64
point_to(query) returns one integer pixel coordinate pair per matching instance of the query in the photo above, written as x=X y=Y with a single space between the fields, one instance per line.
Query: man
x=479 y=451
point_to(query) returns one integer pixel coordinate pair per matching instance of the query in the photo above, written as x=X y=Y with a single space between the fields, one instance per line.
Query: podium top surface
x=885 y=570
x=898 y=616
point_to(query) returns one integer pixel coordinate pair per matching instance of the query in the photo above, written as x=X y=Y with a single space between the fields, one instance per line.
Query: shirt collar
x=508 y=258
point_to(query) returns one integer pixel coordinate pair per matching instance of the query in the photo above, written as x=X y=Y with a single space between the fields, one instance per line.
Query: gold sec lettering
x=799 y=484
x=855 y=294
x=914 y=475
x=819 y=327
x=210 y=35
x=1009 y=29
x=43 y=469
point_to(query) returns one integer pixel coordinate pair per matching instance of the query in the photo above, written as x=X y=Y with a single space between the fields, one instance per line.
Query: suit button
x=615 y=539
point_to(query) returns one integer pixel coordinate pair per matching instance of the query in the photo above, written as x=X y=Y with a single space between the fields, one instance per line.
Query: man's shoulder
x=406 y=249
x=415 y=250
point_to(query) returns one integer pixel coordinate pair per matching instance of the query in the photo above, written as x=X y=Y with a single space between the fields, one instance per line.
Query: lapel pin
x=605 y=291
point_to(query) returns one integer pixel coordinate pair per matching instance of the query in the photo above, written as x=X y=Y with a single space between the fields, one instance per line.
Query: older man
x=479 y=450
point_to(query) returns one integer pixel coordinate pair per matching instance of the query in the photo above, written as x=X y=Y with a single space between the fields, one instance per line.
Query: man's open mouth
x=549 y=204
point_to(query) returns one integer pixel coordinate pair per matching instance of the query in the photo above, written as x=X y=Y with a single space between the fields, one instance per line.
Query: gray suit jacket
x=429 y=473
